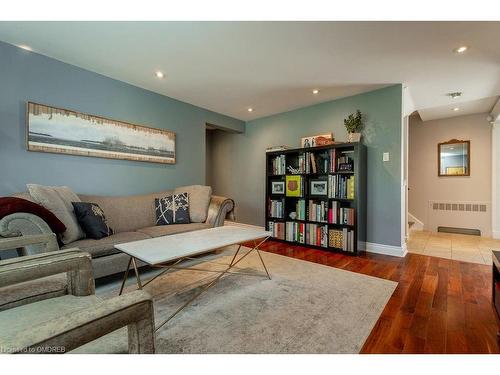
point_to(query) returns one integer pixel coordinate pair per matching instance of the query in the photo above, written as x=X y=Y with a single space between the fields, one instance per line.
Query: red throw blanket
x=11 y=205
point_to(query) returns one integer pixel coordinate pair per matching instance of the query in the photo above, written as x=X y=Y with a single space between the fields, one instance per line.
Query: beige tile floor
x=461 y=247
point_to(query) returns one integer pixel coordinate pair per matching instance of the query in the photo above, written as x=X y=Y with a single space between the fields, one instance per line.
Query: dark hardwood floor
x=439 y=305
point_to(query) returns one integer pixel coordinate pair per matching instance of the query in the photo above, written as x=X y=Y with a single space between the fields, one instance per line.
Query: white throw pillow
x=57 y=199
x=199 y=200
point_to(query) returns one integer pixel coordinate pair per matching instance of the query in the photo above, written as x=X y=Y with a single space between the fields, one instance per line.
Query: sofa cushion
x=105 y=246
x=32 y=291
x=199 y=199
x=173 y=209
x=92 y=220
x=165 y=230
x=127 y=213
x=57 y=199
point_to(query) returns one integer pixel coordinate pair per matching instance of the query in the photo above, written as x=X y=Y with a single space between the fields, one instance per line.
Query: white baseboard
x=495 y=234
x=371 y=247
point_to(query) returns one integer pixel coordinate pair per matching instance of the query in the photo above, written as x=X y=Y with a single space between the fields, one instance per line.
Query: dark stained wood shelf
x=323 y=155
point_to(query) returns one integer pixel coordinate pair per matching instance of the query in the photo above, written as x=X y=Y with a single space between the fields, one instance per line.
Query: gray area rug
x=305 y=308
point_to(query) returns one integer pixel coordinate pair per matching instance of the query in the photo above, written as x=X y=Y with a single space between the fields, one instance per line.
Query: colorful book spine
x=277 y=229
x=342 y=239
x=278 y=165
x=276 y=209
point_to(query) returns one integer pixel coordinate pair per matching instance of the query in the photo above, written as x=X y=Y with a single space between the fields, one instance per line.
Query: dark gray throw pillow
x=173 y=209
x=92 y=220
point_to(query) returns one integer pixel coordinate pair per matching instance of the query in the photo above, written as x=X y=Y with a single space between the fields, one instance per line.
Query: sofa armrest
x=47 y=239
x=134 y=310
x=218 y=210
x=76 y=263
x=23 y=224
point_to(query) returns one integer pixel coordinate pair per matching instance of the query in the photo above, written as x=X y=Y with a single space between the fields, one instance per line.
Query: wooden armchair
x=77 y=321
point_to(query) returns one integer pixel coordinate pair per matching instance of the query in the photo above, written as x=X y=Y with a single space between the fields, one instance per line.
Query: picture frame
x=278 y=187
x=63 y=131
x=453 y=158
x=316 y=140
x=318 y=187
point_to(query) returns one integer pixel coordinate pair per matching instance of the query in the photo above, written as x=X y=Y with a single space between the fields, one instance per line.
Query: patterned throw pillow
x=173 y=209
x=91 y=218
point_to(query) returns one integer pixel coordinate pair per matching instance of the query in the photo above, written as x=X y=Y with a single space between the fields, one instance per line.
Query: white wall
x=424 y=183
x=495 y=145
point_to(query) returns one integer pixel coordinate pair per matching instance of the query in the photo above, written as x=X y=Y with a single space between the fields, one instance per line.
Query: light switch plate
x=385 y=156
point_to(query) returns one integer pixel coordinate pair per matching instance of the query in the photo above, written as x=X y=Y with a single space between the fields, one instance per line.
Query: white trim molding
x=495 y=176
x=377 y=248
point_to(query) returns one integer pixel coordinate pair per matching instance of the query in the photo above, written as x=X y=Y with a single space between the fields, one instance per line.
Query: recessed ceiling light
x=456 y=109
x=159 y=74
x=455 y=95
x=460 y=49
x=25 y=47
x=250 y=109
x=315 y=91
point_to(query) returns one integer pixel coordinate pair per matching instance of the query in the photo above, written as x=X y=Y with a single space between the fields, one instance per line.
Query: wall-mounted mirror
x=454 y=158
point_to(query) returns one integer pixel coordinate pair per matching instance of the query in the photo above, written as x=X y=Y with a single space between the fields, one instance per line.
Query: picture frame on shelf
x=319 y=187
x=316 y=140
x=278 y=187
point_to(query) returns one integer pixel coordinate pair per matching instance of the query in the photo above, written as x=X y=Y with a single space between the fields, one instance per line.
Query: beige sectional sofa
x=131 y=217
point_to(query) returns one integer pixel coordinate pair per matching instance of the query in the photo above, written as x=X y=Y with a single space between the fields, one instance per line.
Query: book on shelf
x=300 y=209
x=341 y=186
x=318 y=210
x=333 y=155
x=310 y=162
x=317 y=235
x=276 y=208
x=307 y=233
x=294 y=186
x=340 y=215
x=278 y=165
x=277 y=229
x=295 y=232
x=345 y=164
x=342 y=239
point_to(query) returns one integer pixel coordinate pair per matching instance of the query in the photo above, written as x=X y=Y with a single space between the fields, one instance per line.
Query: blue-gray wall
x=26 y=76
x=239 y=159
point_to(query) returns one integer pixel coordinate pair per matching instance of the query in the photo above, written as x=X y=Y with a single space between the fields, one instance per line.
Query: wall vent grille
x=468 y=207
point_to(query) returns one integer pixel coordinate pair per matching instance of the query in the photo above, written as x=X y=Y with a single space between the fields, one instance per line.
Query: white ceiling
x=273 y=66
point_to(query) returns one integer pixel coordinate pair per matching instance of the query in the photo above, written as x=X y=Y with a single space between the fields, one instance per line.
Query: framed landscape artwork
x=50 y=129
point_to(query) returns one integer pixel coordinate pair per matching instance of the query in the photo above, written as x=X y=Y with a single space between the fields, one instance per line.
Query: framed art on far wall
x=62 y=131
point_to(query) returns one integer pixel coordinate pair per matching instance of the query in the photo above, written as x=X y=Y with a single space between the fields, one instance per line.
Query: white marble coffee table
x=169 y=251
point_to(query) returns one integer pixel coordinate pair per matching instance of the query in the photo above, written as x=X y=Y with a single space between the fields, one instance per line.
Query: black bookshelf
x=351 y=183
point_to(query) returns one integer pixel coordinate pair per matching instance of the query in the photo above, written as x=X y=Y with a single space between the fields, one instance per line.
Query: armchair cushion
x=87 y=324
x=29 y=317
x=32 y=291
x=11 y=205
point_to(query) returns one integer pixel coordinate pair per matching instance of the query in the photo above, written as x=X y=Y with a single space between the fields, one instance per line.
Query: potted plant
x=353 y=123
